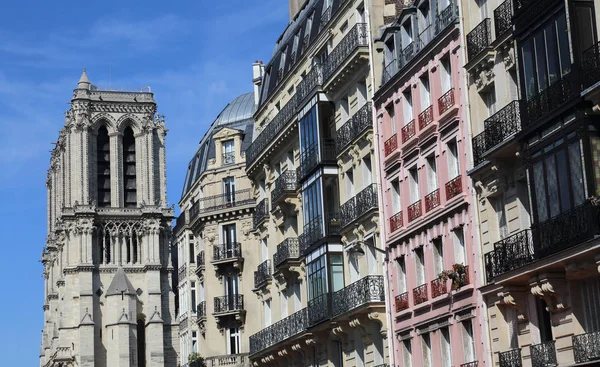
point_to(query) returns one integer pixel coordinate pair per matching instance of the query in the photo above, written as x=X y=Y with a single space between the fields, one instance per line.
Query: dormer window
x=406 y=33
x=228 y=152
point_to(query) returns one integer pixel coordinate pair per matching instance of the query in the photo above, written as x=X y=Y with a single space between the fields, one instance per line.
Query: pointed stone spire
x=84 y=82
x=120 y=285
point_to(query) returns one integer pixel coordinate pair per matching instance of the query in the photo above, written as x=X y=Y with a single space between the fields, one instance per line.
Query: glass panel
x=576 y=173
x=552 y=185
x=528 y=69
x=552 y=54
x=541 y=61
x=337 y=272
x=540 y=192
x=563 y=180
x=563 y=45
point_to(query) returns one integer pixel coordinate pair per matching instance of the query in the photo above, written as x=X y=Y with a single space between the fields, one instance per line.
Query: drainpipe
x=388 y=306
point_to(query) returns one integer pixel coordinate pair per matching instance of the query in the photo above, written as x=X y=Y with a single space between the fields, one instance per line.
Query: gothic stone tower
x=107 y=265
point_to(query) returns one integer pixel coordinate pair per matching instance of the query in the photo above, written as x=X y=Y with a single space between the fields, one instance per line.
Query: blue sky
x=196 y=56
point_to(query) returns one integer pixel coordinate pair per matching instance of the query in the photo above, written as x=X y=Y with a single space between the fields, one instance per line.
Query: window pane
x=563 y=45
x=553 y=67
x=530 y=87
x=552 y=186
x=540 y=192
x=541 y=61
x=563 y=179
x=576 y=174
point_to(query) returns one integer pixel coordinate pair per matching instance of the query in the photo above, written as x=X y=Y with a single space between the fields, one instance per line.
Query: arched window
x=129 y=182
x=103 y=163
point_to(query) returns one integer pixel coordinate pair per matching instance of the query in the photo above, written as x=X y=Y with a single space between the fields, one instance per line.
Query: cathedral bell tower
x=107 y=266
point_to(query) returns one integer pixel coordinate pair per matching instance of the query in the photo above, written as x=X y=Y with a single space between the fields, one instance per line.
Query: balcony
x=503 y=18
x=446 y=101
x=182 y=272
x=453 y=187
x=287 y=250
x=284 y=185
x=551 y=98
x=201 y=310
x=180 y=223
x=470 y=364
x=462 y=279
x=414 y=211
x=359 y=205
x=426 y=117
x=310 y=158
x=432 y=200
x=319 y=309
x=261 y=212
x=420 y=294
x=390 y=145
x=228 y=158
x=227 y=252
x=262 y=274
x=312 y=80
x=229 y=304
x=543 y=354
x=396 y=221
x=313 y=231
x=510 y=253
x=221 y=202
x=586 y=347
x=366 y=290
x=200 y=262
x=479 y=38
x=498 y=128
x=229 y=360
x=325 y=18
x=389 y=70
x=439 y=287
x=590 y=66
x=512 y=358
x=357 y=37
x=408 y=131
x=279 y=331
x=354 y=128
x=401 y=302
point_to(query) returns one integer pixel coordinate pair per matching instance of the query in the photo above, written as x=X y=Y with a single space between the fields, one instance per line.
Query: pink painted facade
x=428 y=206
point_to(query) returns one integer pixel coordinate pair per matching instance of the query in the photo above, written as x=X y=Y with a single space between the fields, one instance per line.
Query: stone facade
x=107 y=261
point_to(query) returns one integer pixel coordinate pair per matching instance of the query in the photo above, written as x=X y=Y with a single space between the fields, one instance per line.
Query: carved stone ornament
x=549 y=287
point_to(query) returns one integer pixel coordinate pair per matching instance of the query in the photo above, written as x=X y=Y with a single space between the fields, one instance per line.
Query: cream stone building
x=108 y=299
x=217 y=253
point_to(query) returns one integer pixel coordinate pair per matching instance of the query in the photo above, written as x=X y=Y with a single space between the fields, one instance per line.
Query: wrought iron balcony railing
x=229 y=303
x=312 y=80
x=310 y=159
x=446 y=17
x=229 y=158
x=200 y=259
x=224 y=201
x=390 y=70
x=414 y=211
x=408 y=131
x=262 y=273
x=497 y=129
x=181 y=221
x=390 y=145
x=182 y=272
x=348 y=212
x=432 y=200
x=478 y=148
x=543 y=354
x=590 y=66
x=325 y=18
x=201 y=310
x=286 y=183
x=401 y=302
x=313 y=230
x=286 y=250
x=279 y=331
x=396 y=221
x=439 y=287
x=226 y=251
x=550 y=98
x=453 y=187
x=426 y=117
x=470 y=364
x=446 y=101
x=359 y=205
x=503 y=18
x=363 y=291
x=356 y=37
x=510 y=253
x=420 y=294
x=194 y=210
x=319 y=309
x=586 y=347
x=511 y=358
x=261 y=212
x=479 y=38
x=360 y=122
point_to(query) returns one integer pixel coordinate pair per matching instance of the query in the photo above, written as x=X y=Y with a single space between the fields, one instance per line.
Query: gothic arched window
x=129 y=182
x=103 y=163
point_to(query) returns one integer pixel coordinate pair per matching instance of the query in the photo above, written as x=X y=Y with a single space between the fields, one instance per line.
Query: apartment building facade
x=433 y=260
x=215 y=250
x=313 y=165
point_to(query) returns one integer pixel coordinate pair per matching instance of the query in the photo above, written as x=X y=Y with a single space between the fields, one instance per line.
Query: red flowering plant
x=458 y=275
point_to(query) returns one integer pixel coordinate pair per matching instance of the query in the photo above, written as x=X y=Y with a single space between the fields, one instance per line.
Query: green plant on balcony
x=458 y=275
x=195 y=360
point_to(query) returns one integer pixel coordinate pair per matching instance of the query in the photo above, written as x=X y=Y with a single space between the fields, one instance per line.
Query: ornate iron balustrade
x=312 y=232
x=226 y=200
x=312 y=80
x=360 y=122
x=510 y=253
x=511 y=358
x=432 y=200
x=181 y=273
x=271 y=130
x=235 y=360
x=262 y=273
x=408 y=131
x=194 y=210
x=261 y=211
x=408 y=53
x=462 y=280
x=279 y=331
x=355 y=38
x=503 y=18
x=420 y=294
x=201 y=310
x=227 y=251
x=479 y=148
x=438 y=287
x=543 y=354
x=401 y=302
x=286 y=183
x=348 y=211
x=446 y=101
x=426 y=117
x=229 y=303
x=590 y=65
x=446 y=17
x=502 y=125
x=566 y=230
x=453 y=187
x=181 y=221
x=586 y=347
x=470 y=364
x=390 y=145
x=310 y=158
x=286 y=250
x=228 y=157
x=414 y=211
x=549 y=99
x=363 y=291
x=200 y=259
x=479 y=38
x=360 y=204
x=319 y=309
x=396 y=221
x=325 y=18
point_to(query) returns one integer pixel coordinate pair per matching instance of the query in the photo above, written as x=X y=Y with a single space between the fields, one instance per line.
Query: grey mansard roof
x=236 y=115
